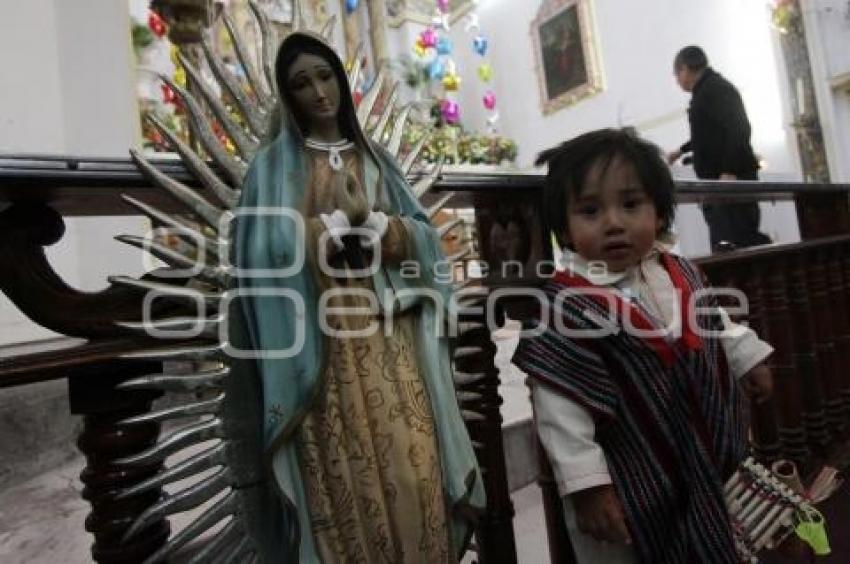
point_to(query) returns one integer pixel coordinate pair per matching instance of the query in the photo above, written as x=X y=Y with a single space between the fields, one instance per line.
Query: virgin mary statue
x=344 y=309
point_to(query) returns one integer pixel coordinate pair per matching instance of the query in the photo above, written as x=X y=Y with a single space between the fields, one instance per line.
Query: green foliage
x=142 y=37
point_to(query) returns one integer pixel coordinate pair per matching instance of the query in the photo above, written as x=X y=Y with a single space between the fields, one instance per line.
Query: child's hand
x=758 y=383
x=600 y=515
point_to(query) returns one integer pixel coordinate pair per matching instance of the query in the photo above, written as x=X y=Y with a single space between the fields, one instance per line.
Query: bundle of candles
x=766 y=507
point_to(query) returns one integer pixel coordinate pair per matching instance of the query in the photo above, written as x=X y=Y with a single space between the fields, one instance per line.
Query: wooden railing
x=798 y=298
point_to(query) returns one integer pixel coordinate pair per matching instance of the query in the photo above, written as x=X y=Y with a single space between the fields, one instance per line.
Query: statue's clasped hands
x=353 y=211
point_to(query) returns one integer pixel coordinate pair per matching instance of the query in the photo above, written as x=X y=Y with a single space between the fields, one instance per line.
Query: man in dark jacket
x=720 y=146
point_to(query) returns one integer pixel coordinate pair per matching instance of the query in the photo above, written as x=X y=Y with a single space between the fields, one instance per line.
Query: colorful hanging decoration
x=479 y=45
x=156 y=24
x=489 y=100
x=351 y=6
x=180 y=77
x=419 y=47
x=174 y=55
x=441 y=21
x=485 y=72
x=433 y=40
x=436 y=69
x=492 y=122
x=451 y=81
x=450 y=110
x=450 y=140
x=168 y=95
x=444 y=46
x=429 y=37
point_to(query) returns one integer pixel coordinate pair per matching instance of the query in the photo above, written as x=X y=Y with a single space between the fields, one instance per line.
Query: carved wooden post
x=474 y=356
x=839 y=289
x=841 y=278
x=511 y=238
x=778 y=325
x=838 y=409
x=803 y=291
x=30 y=282
x=824 y=310
x=765 y=431
x=103 y=441
x=560 y=545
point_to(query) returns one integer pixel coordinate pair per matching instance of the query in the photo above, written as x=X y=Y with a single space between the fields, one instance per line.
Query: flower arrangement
x=459 y=147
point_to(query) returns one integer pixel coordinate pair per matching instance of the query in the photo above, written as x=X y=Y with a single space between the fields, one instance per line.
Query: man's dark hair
x=570 y=162
x=692 y=57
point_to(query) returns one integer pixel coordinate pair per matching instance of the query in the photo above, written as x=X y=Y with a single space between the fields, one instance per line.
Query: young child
x=635 y=384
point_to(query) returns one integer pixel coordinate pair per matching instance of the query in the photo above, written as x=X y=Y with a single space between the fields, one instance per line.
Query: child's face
x=612 y=219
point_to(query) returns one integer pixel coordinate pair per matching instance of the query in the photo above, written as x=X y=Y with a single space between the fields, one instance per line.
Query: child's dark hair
x=570 y=162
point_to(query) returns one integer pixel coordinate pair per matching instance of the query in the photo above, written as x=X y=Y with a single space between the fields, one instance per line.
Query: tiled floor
x=41 y=520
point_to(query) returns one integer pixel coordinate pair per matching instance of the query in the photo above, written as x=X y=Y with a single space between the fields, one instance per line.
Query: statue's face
x=314 y=89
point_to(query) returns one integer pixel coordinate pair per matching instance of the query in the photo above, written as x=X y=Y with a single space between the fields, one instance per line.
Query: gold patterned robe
x=368 y=448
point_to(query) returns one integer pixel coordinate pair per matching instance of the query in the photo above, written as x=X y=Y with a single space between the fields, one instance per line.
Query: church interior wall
x=68 y=88
x=636 y=44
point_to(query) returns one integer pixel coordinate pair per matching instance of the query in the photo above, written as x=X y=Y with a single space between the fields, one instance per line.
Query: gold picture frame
x=566 y=54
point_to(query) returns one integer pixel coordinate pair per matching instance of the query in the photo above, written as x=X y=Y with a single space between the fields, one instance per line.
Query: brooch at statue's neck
x=333 y=149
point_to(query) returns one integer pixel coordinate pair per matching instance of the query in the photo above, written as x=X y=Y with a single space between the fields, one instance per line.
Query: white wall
x=637 y=42
x=67 y=88
x=31 y=104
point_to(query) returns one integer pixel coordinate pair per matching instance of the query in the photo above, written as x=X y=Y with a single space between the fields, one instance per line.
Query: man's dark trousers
x=736 y=223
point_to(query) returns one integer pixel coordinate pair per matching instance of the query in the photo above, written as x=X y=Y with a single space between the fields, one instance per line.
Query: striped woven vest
x=668 y=414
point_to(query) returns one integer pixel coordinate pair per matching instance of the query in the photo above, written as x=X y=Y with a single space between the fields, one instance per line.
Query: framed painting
x=566 y=55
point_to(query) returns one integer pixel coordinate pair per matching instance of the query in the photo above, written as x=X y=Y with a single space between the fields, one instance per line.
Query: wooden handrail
x=30 y=282
x=742 y=256
x=77 y=186
x=29 y=363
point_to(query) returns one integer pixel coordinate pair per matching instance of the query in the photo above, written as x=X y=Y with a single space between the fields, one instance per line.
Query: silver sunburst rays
x=217 y=471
